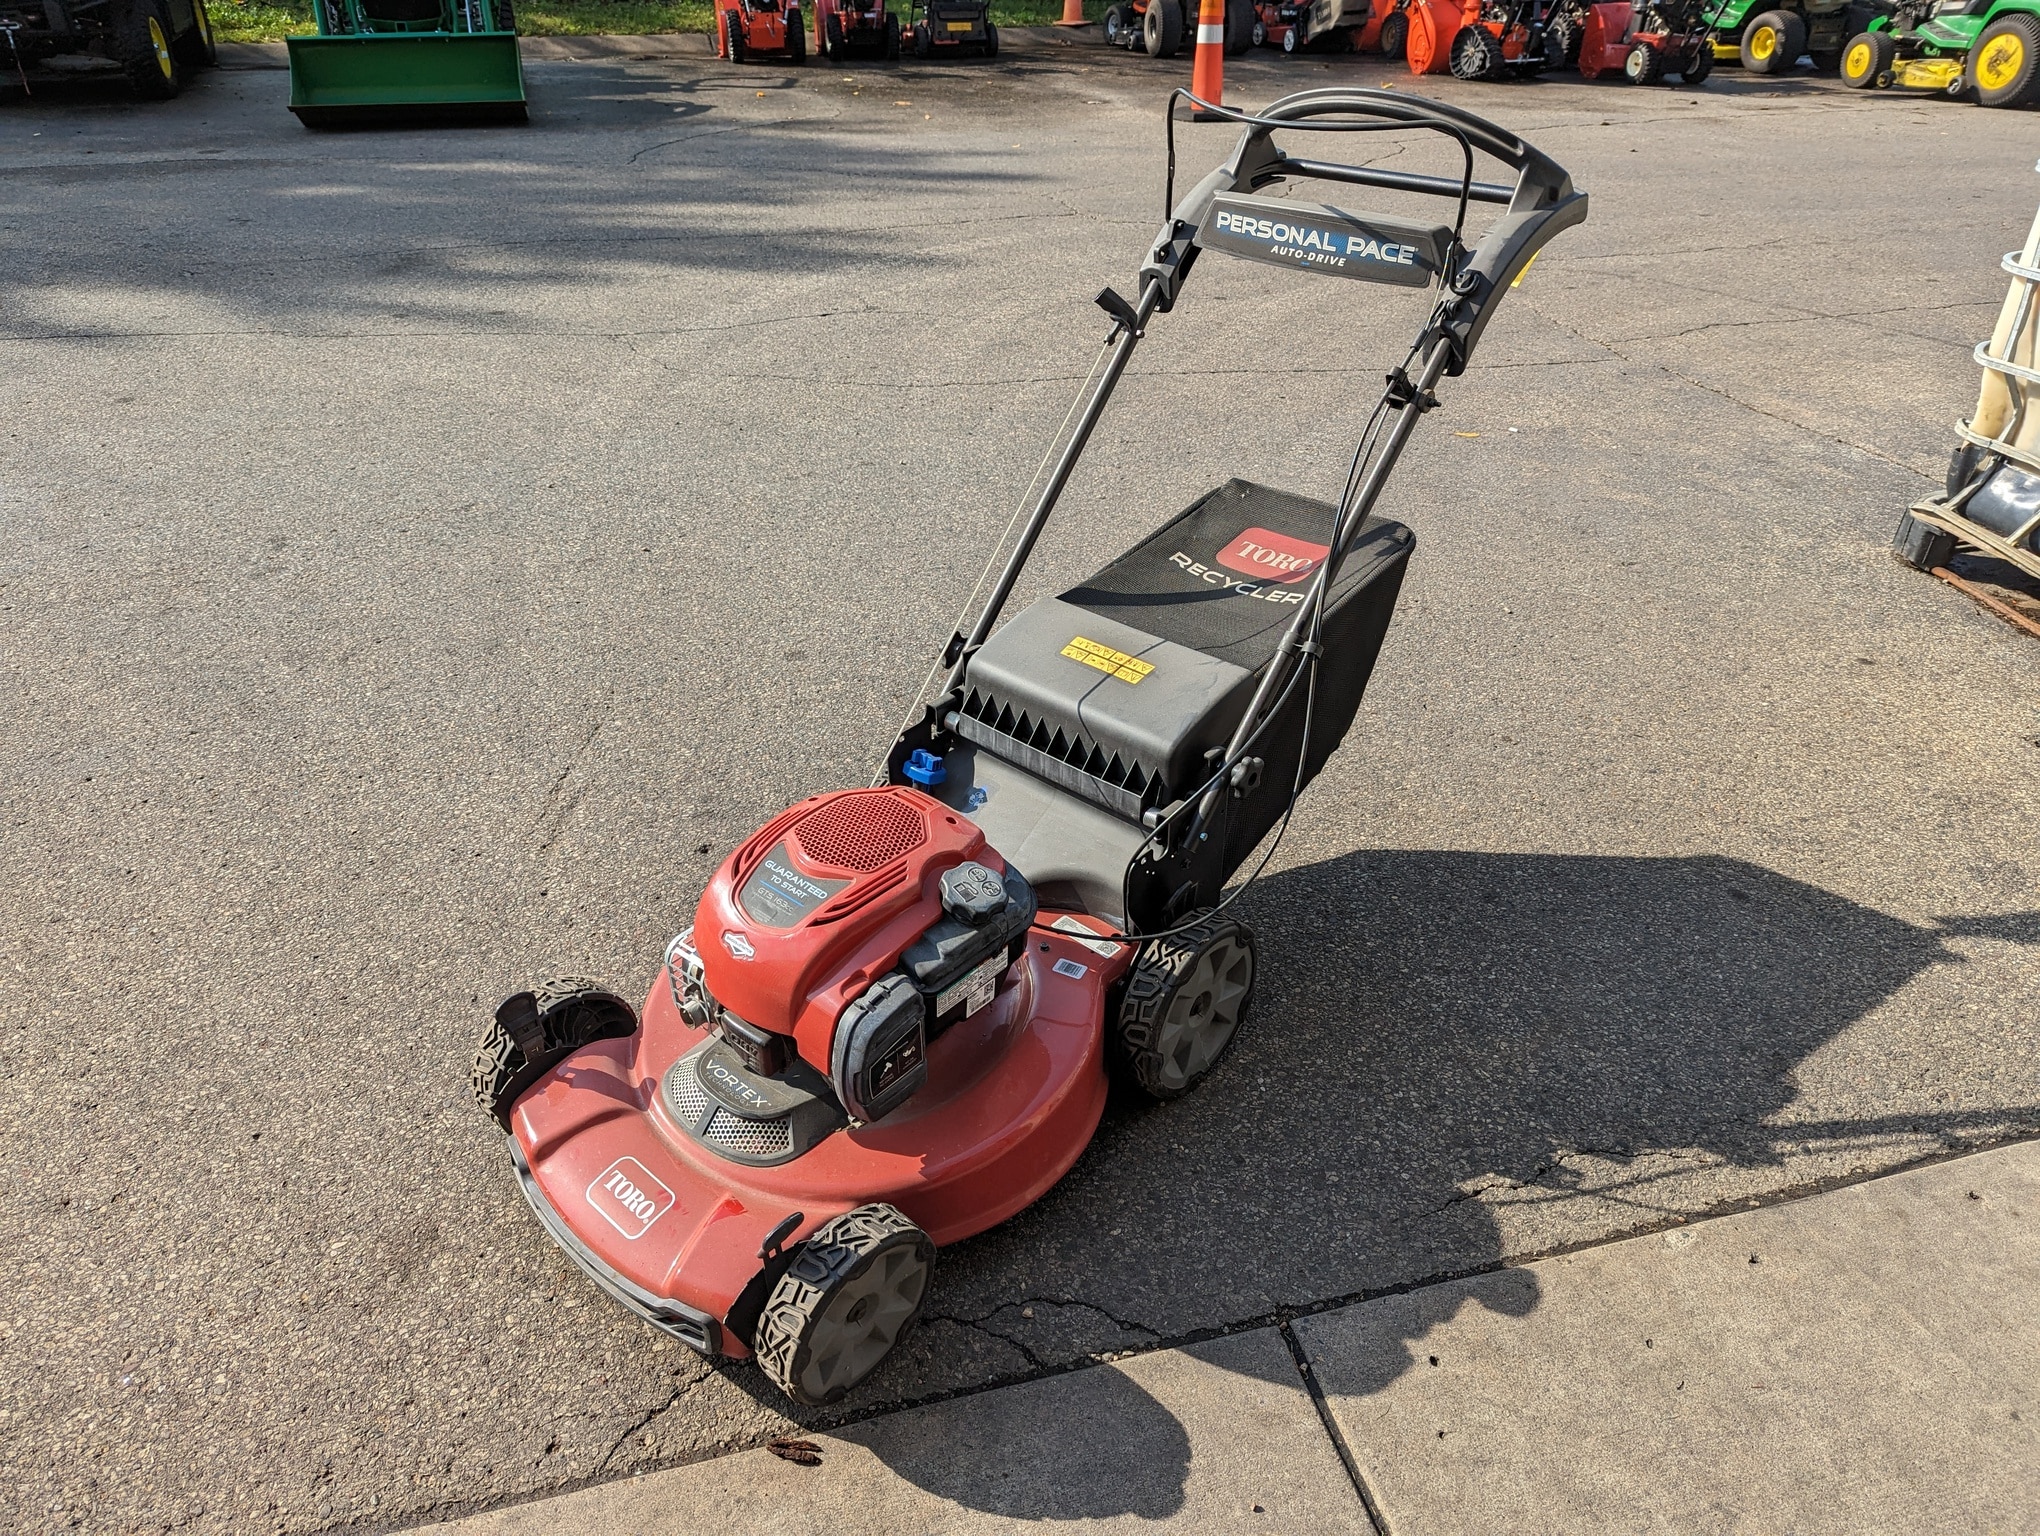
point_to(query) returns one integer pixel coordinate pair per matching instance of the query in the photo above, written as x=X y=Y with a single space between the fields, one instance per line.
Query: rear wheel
x=991 y=41
x=1240 y=22
x=1868 y=55
x=535 y=1031
x=852 y=1290
x=1292 y=39
x=1395 y=36
x=733 y=37
x=796 y=37
x=2004 y=65
x=1118 y=25
x=1184 y=1004
x=142 y=44
x=1644 y=65
x=892 y=37
x=196 y=48
x=1767 y=43
x=1162 y=28
x=832 y=38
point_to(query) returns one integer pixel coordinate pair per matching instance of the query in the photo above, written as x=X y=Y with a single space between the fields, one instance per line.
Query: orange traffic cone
x=1073 y=14
x=1207 y=75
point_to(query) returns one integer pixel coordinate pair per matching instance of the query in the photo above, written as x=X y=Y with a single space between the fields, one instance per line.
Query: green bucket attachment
x=407 y=61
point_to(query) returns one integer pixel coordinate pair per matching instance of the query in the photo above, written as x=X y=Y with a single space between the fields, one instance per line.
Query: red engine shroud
x=1013 y=1093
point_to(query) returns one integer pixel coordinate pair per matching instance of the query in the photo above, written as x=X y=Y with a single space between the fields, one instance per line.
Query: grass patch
x=264 y=21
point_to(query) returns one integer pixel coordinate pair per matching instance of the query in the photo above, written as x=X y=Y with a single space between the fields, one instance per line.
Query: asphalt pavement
x=422 y=554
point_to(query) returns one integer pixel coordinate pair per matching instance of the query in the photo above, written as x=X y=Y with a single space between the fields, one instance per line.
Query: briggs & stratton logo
x=629 y=1197
x=739 y=946
x=1273 y=556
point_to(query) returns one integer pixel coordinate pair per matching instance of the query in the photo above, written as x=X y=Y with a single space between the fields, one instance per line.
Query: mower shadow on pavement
x=1455 y=1059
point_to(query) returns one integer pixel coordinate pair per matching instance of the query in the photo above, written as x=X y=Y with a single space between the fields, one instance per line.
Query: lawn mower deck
x=891 y=1022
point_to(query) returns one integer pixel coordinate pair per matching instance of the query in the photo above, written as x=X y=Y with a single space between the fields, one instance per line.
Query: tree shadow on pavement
x=1455 y=1058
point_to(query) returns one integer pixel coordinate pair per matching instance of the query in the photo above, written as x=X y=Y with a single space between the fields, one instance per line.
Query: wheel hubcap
x=162 y=48
x=1858 y=63
x=1204 y=1012
x=862 y=1321
x=1763 y=43
x=2000 y=63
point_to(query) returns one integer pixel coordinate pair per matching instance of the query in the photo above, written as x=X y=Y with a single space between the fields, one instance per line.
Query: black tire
x=924 y=40
x=991 y=41
x=1117 y=25
x=506 y=15
x=1962 y=466
x=1866 y=56
x=1475 y=55
x=892 y=38
x=833 y=45
x=1293 y=38
x=796 y=37
x=1921 y=545
x=733 y=36
x=1167 y=1036
x=2018 y=36
x=1240 y=21
x=141 y=34
x=870 y=1265
x=1696 y=59
x=1767 y=42
x=1562 y=42
x=1643 y=65
x=1161 y=29
x=195 y=48
x=1394 y=38
x=535 y=1031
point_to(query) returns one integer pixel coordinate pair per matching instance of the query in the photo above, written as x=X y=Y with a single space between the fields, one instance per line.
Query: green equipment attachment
x=408 y=61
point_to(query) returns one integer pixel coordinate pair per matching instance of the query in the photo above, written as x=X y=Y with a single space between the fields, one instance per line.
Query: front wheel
x=196 y=49
x=1868 y=55
x=1921 y=545
x=1289 y=38
x=1475 y=55
x=142 y=44
x=855 y=1286
x=1117 y=25
x=1240 y=21
x=892 y=37
x=796 y=37
x=1184 y=1003
x=1644 y=65
x=2004 y=65
x=1767 y=43
x=1696 y=60
x=991 y=41
x=535 y=1031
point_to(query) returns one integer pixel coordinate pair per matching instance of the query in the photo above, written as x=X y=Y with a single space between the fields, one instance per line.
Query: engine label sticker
x=1087 y=937
x=1128 y=669
x=975 y=990
x=1272 y=556
x=1075 y=970
x=779 y=895
x=629 y=1196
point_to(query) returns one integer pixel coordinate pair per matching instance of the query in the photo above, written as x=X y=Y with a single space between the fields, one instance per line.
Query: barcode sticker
x=1071 y=968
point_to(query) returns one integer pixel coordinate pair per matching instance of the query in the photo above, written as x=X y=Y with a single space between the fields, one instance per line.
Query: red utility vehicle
x=758 y=29
x=846 y=29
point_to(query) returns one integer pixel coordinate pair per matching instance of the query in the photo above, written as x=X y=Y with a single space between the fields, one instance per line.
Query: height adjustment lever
x=1123 y=316
x=1403 y=391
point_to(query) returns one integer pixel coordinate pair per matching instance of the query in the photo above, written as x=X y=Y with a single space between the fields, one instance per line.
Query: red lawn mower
x=952 y=26
x=891 y=1023
x=758 y=29
x=845 y=29
x=1293 y=25
x=1476 y=39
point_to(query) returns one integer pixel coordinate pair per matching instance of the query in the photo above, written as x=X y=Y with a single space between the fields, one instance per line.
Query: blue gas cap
x=924 y=767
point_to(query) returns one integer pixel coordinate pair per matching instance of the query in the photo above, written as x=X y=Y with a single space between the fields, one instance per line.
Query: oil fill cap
x=972 y=894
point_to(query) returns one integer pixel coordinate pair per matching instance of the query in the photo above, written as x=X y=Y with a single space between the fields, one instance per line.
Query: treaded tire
x=1240 y=20
x=1866 y=56
x=1644 y=65
x=1161 y=29
x=1394 y=38
x=2022 y=86
x=1921 y=545
x=892 y=38
x=506 y=15
x=852 y=1291
x=1118 y=24
x=1776 y=57
x=991 y=41
x=733 y=37
x=1167 y=1038
x=145 y=54
x=1474 y=55
x=1562 y=42
x=796 y=36
x=1696 y=62
x=553 y=1020
x=196 y=49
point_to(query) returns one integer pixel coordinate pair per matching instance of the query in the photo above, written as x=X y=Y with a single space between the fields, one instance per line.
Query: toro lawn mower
x=962 y=26
x=758 y=29
x=1646 y=44
x=1476 y=39
x=847 y=28
x=1293 y=25
x=1989 y=46
x=890 y=1024
x=1158 y=27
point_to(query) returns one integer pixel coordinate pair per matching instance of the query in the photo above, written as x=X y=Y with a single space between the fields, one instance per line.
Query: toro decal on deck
x=629 y=1197
x=1274 y=560
x=1372 y=246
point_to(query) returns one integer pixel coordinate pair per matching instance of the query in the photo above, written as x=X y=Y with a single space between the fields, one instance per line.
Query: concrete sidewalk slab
x=1216 y=1438
x=1865 y=1360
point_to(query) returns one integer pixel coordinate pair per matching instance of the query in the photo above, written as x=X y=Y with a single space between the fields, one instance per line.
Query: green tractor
x=1989 y=46
x=1768 y=37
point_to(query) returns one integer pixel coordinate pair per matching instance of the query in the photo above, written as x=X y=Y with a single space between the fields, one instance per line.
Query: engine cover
x=820 y=903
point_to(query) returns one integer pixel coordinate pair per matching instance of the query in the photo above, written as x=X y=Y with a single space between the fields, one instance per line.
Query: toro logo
x=1273 y=556
x=629 y=1197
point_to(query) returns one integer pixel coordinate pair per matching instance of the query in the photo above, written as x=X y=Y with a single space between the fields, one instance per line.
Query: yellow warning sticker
x=1128 y=669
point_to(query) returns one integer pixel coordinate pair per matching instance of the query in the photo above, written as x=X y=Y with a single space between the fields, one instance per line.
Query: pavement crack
x=638 y=1427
